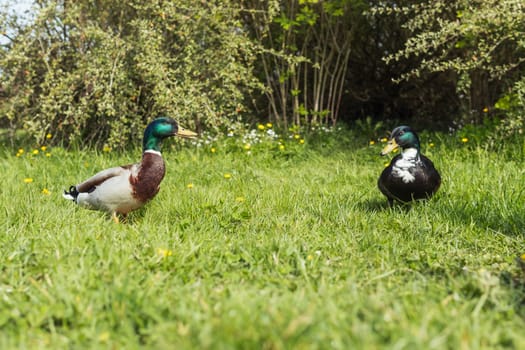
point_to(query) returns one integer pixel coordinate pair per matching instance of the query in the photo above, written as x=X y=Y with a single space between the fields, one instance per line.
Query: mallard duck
x=410 y=175
x=122 y=189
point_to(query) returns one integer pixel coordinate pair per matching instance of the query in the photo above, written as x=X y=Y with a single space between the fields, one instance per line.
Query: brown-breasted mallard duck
x=410 y=175
x=122 y=189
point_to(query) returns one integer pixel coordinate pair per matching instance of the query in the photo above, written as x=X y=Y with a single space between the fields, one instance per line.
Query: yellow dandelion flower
x=43 y=148
x=310 y=257
x=213 y=150
x=384 y=139
x=301 y=141
x=269 y=125
x=48 y=154
x=164 y=253
x=104 y=337
x=48 y=136
x=247 y=146
x=431 y=144
x=260 y=127
x=372 y=142
x=523 y=256
x=485 y=110
x=386 y=164
x=35 y=152
x=106 y=148
x=21 y=150
x=28 y=180
x=239 y=199
x=296 y=136
x=227 y=176
x=46 y=192
x=190 y=185
x=281 y=147
x=464 y=139
x=18 y=154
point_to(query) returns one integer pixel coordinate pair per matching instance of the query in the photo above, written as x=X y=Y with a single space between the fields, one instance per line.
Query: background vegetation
x=96 y=72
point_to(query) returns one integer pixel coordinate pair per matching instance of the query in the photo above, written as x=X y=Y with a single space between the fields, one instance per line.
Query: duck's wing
x=432 y=175
x=100 y=177
x=387 y=182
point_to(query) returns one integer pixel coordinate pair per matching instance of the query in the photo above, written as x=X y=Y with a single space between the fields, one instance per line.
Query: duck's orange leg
x=115 y=217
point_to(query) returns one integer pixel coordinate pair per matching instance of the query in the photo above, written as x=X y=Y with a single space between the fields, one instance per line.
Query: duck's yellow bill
x=390 y=146
x=186 y=133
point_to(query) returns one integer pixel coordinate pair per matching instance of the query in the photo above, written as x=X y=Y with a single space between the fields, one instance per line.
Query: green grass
x=297 y=249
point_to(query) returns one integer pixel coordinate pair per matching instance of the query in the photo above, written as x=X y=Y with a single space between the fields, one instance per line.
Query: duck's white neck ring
x=153 y=152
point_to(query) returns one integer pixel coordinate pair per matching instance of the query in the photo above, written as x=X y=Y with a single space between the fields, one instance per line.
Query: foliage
x=512 y=105
x=465 y=36
x=264 y=138
x=304 y=56
x=94 y=73
x=481 y=41
x=295 y=251
x=373 y=86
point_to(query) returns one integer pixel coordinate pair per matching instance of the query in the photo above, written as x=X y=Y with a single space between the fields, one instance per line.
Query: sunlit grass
x=266 y=247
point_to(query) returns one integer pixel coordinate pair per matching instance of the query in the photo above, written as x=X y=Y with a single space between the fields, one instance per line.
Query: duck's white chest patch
x=403 y=168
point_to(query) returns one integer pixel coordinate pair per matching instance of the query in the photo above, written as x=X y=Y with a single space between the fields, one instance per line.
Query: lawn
x=261 y=247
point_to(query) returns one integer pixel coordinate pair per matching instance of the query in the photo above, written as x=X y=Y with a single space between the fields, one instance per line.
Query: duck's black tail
x=72 y=194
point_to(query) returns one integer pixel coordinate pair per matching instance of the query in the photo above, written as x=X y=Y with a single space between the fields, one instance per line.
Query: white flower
x=271 y=133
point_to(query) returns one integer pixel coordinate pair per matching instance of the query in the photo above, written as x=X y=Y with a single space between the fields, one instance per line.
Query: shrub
x=98 y=74
x=480 y=41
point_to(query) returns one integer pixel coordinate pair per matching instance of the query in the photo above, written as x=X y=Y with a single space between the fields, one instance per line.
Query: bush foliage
x=481 y=42
x=96 y=72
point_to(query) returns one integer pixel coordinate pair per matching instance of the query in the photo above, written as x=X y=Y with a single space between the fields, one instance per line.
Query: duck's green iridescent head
x=402 y=136
x=159 y=129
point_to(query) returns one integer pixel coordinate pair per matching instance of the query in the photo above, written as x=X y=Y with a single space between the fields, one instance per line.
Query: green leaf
x=307 y=15
x=460 y=44
x=506 y=102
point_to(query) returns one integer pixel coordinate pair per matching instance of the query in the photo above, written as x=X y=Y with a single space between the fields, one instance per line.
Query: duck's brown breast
x=146 y=182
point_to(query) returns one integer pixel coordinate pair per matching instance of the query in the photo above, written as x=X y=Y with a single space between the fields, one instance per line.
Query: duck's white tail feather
x=68 y=196
x=71 y=195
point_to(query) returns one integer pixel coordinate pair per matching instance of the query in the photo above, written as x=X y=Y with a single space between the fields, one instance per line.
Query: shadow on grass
x=379 y=203
x=133 y=217
x=374 y=205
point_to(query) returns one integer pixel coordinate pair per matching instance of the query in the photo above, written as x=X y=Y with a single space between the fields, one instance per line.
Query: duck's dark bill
x=186 y=133
x=391 y=145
